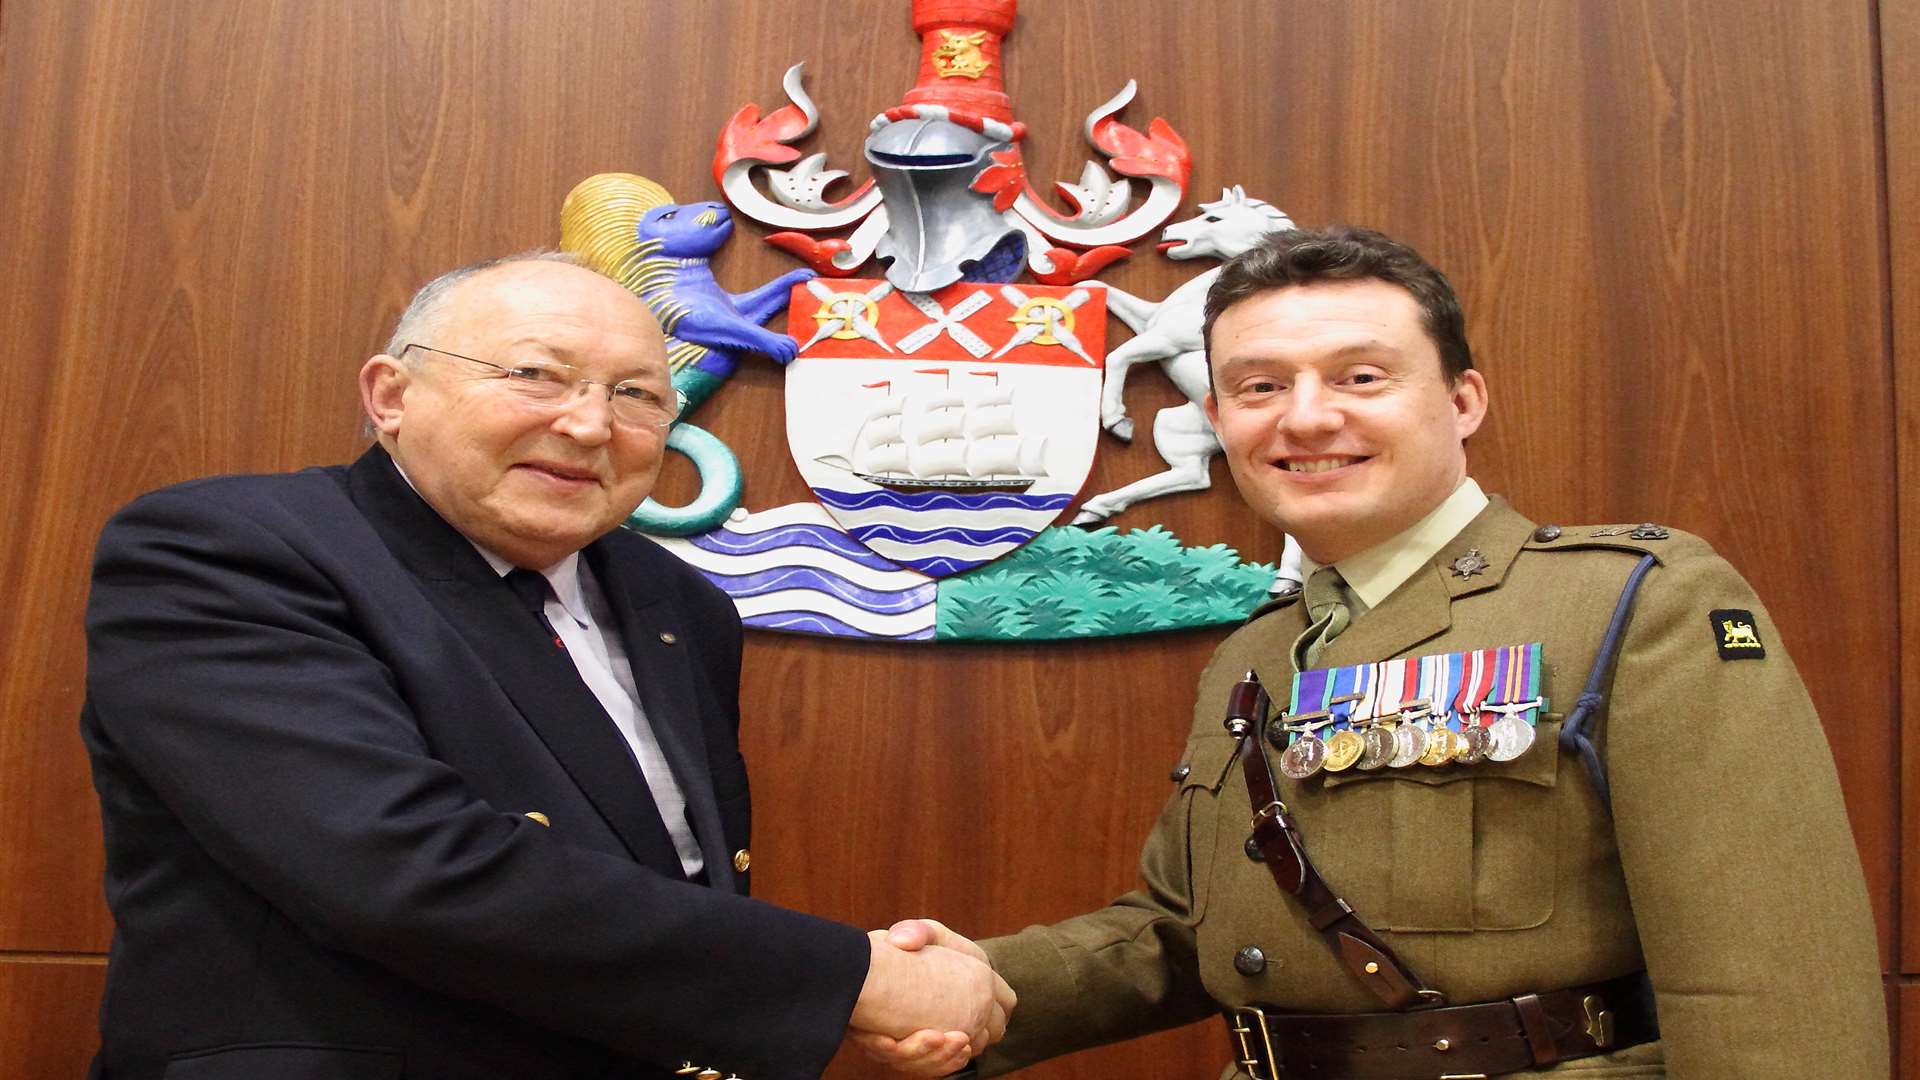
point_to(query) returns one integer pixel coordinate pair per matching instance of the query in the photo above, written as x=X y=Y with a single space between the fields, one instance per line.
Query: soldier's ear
x=1469 y=396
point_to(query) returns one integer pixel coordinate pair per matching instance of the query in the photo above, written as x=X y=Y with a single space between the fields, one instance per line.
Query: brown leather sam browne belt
x=1461 y=1041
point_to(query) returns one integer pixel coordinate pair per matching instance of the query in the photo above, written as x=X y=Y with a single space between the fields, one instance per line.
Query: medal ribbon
x=1484 y=661
x=1391 y=679
x=1364 y=709
x=1530 y=678
x=1343 y=684
x=1447 y=698
x=1310 y=692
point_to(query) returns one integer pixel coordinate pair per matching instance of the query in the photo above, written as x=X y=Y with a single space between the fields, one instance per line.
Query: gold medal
x=1344 y=748
x=1438 y=750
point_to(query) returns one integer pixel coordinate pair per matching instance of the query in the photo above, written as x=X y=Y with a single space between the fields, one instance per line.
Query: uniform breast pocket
x=287 y=1061
x=1207 y=763
x=1450 y=849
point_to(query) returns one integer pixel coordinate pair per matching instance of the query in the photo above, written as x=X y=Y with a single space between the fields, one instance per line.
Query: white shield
x=944 y=430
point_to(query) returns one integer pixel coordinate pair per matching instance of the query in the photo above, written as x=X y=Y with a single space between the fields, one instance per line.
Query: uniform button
x=1180 y=772
x=1546 y=534
x=1252 y=848
x=1277 y=733
x=741 y=860
x=1249 y=960
x=667 y=637
x=540 y=817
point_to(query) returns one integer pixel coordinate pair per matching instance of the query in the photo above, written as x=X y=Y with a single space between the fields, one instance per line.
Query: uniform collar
x=1375 y=573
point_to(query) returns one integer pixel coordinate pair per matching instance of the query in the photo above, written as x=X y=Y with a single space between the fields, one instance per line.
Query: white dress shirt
x=577 y=609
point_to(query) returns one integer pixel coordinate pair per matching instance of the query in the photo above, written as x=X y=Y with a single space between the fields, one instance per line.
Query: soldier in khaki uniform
x=1726 y=871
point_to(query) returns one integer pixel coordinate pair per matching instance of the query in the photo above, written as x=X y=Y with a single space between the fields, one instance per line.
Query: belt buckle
x=1245 y=1022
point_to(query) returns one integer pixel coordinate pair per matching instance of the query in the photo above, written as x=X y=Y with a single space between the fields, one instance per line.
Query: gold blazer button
x=741 y=860
x=540 y=817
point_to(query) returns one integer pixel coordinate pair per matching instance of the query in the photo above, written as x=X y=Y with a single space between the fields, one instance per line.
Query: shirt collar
x=1373 y=574
x=563 y=576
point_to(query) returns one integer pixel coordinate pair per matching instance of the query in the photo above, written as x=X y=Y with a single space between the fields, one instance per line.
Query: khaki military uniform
x=1728 y=870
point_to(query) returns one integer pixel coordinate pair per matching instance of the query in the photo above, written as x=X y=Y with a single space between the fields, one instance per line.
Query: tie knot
x=1325 y=587
x=530 y=586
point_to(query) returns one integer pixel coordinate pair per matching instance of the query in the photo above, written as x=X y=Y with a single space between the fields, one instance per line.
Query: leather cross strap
x=1361 y=951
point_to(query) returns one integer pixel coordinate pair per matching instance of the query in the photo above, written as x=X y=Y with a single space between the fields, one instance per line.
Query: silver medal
x=1304 y=757
x=1512 y=737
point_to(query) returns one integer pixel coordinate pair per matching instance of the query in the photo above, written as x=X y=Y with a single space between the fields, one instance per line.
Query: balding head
x=533 y=481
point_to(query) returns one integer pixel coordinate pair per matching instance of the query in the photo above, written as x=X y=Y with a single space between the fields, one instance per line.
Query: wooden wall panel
x=47 y=1027
x=1900 y=79
x=1660 y=216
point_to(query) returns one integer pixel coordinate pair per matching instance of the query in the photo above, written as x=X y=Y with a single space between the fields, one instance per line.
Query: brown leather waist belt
x=1458 y=1042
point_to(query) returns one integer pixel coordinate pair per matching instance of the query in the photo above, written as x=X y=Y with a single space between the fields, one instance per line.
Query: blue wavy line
x=953 y=533
x=940 y=500
x=819 y=537
x=878 y=601
x=943 y=565
x=807 y=622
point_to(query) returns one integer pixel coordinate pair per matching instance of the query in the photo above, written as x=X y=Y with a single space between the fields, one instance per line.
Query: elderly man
x=421 y=767
x=1407 y=864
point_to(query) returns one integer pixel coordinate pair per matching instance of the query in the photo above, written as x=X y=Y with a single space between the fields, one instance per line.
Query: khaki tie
x=1326 y=599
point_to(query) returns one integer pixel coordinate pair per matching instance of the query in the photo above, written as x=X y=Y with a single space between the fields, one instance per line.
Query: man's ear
x=1469 y=396
x=383 y=390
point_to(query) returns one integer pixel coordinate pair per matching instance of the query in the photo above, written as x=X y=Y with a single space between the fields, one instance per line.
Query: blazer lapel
x=517 y=653
x=657 y=641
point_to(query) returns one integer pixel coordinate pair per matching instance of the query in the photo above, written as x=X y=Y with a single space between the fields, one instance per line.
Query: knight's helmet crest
x=927 y=152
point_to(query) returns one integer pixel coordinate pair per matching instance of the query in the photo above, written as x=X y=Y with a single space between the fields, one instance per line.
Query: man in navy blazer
x=421 y=767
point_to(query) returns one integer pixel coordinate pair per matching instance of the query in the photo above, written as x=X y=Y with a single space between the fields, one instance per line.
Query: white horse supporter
x=1168 y=332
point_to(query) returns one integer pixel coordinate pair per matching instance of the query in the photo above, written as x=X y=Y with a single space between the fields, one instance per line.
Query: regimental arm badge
x=1734 y=634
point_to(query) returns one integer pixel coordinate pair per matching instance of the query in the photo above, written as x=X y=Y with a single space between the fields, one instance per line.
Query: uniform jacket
x=318 y=720
x=1728 y=871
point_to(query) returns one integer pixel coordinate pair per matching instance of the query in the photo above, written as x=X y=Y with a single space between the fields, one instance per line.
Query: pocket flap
x=1207 y=760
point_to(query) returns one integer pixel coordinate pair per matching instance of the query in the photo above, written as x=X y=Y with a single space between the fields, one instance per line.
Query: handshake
x=931 y=1002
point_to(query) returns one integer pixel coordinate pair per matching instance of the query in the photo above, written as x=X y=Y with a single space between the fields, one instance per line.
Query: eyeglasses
x=550 y=384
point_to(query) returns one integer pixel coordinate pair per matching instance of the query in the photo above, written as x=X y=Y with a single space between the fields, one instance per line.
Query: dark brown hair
x=1345 y=253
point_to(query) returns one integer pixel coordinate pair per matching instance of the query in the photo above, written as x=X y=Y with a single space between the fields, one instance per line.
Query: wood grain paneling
x=1665 y=221
x=47 y=1029
x=1900 y=80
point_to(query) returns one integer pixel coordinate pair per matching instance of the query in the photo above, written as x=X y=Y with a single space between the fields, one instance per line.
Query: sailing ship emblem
x=945 y=441
x=931 y=450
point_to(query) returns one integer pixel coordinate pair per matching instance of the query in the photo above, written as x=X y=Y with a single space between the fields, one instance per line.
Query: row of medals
x=1399 y=741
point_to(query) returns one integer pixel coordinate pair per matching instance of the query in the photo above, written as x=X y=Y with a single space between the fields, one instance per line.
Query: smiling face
x=532 y=484
x=1338 y=423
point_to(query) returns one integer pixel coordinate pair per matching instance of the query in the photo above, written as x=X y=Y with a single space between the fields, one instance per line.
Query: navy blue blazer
x=318 y=720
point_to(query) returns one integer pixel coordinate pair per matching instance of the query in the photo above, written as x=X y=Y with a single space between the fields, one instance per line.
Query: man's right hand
x=927 y=1049
x=924 y=978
